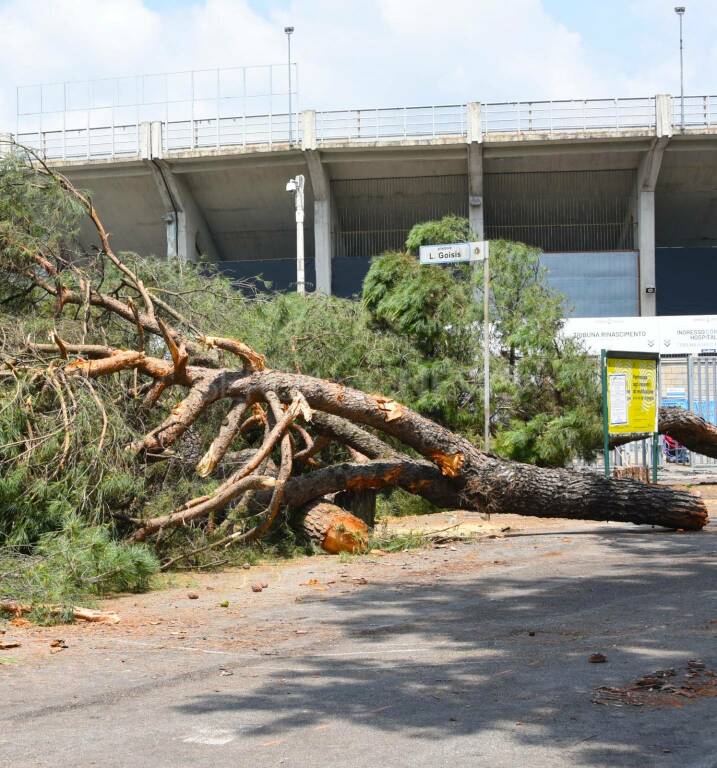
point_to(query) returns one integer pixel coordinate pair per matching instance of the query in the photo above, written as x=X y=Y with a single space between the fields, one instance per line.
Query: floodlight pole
x=680 y=11
x=486 y=354
x=288 y=31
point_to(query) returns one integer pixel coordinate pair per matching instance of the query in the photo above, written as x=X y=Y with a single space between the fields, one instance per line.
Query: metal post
x=605 y=424
x=296 y=186
x=288 y=31
x=656 y=435
x=219 y=109
x=486 y=354
x=682 y=80
x=690 y=374
x=680 y=11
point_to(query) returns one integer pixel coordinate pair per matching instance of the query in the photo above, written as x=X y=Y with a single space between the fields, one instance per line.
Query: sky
x=371 y=53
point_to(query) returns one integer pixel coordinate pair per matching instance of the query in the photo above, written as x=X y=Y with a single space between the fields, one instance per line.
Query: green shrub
x=400 y=503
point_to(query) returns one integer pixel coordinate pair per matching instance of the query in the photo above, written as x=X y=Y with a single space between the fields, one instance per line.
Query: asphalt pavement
x=468 y=655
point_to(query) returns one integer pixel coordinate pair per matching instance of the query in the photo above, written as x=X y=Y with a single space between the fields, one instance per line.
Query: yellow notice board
x=631 y=395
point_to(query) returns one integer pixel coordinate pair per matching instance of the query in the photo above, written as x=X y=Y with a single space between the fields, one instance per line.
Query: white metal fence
x=202 y=108
x=391 y=123
x=568 y=115
x=233 y=124
x=700 y=111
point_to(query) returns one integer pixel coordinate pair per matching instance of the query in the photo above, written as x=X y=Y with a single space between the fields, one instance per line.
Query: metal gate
x=691 y=383
x=688 y=382
x=702 y=396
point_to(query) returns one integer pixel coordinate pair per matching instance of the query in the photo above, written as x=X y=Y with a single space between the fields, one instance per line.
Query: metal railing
x=700 y=111
x=84 y=143
x=369 y=125
x=568 y=115
x=391 y=123
x=247 y=130
x=177 y=135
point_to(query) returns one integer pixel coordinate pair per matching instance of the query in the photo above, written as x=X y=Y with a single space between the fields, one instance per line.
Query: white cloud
x=354 y=53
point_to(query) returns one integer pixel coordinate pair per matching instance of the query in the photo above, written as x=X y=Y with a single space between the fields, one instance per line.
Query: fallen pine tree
x=294 y=420
x=686 y=427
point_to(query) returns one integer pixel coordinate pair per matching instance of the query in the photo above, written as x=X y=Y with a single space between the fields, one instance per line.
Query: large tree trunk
x=458 y=475
x=684 y=426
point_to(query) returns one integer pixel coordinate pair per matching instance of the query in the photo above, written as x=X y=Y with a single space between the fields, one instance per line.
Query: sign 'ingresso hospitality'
x=676 y=335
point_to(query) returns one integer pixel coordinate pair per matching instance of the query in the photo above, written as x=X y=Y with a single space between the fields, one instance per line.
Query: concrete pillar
x=474 y=139
x=663 y=115
x=647 y=175
x=323 y=244
x=188 y=235
x=475 y=189
x=308 y=133
x=473 y=123
x=646 y=238
x=145 y=141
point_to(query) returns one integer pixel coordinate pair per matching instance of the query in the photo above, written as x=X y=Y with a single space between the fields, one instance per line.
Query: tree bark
x=684 y=426
x=484 y=481
x=359 y=503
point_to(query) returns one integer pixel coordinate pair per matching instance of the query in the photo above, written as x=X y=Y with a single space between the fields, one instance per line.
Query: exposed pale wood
x=333 y=528
x=79 y=613
x=222 y=442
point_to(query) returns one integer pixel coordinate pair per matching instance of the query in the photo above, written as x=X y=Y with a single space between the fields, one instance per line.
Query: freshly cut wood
x=79 y=613
x=634 y=472
x=333 y=528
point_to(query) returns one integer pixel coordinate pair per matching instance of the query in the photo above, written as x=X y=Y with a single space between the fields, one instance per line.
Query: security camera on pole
x=296 y=185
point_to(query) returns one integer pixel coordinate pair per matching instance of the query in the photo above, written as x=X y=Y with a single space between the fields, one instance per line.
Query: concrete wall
x=686 y=197
x=131 y=208
x=239 y=195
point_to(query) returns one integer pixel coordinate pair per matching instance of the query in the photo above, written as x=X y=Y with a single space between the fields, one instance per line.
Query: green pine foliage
x=449 y=229
x=68 y=487
x=72 y=563
x=544 y=395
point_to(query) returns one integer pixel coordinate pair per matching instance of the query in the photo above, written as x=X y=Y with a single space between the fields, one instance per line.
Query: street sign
x=453 y=253
x=630 y=393
x=456 y=253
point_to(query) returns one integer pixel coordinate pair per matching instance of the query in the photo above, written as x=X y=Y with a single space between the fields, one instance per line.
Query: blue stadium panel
x=595 y=284
x=686 y=279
